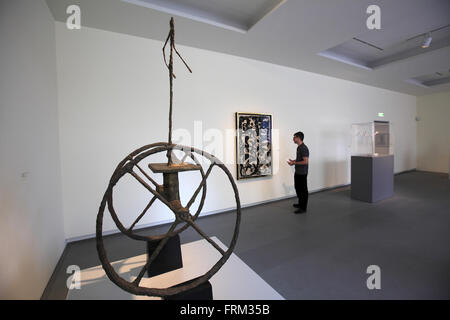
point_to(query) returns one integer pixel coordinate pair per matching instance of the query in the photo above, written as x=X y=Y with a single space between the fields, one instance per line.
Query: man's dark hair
x=299 y=135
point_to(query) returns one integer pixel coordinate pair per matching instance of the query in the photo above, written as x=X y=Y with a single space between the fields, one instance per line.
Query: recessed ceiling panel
x=396 y=41
x=432 y=79
x=235 y=15
x=293 y=34
x=370 y=55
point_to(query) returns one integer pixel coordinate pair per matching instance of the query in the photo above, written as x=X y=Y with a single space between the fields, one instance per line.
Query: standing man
x=301 y=172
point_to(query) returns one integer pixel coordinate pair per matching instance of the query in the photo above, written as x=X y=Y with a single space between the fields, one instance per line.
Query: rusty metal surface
x=182 y=216
x=168 y=194
x=165 y=168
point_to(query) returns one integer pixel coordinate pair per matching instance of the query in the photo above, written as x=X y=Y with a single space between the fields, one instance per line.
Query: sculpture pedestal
x=202 y=292
x=169 y=257
x=234 y=281
x=372 y=177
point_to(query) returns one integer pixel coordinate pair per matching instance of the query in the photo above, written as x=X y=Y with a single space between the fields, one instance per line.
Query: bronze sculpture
x=167 y=193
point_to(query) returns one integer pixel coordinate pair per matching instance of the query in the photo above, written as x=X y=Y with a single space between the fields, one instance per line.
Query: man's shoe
x=295 y=205
x=299 y=211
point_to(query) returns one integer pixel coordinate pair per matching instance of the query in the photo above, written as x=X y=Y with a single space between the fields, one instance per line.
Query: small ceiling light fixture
x=427 y=40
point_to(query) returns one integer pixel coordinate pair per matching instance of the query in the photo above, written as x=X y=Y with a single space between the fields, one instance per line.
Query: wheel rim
x=126 y=166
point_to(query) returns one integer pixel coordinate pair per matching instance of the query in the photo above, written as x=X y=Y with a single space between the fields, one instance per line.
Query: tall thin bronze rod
x=171 y=39
x=172 y=42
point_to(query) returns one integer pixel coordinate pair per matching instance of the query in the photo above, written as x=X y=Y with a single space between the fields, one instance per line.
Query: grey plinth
x=372 y=177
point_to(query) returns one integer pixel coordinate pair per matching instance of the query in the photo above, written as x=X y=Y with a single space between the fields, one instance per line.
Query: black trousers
x=301 y=187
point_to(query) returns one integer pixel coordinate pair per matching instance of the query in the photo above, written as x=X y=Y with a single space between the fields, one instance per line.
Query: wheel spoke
x=147 y=176
x=205 y=236
x=155 y=253
x=193 y=157
x=143 y=213
x=194 y=196
x=154 y=192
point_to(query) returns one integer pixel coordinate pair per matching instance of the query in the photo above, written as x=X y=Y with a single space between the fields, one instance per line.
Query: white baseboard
x=162 y=222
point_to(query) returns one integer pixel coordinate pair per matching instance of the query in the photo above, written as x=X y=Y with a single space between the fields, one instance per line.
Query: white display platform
x=234 y=281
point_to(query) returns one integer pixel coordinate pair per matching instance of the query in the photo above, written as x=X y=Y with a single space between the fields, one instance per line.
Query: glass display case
x=372 y=161
x=372 y=139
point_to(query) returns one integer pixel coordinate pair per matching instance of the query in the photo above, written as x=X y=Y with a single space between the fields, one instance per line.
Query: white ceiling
x=373 y=52
x=294 y=34
x=235 y=15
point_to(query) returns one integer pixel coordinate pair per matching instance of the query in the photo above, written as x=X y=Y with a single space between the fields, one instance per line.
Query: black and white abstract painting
x=253 y=145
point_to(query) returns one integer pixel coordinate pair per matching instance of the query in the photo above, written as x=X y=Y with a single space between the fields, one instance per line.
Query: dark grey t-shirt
x=302 y=151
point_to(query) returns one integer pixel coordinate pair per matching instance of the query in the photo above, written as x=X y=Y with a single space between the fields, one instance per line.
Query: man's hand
x=291 y=162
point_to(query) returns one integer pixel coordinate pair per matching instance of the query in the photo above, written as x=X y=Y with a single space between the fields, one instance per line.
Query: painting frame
x=258 y=162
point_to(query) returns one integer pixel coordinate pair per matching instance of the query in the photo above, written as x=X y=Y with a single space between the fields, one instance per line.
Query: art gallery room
x=224 y=150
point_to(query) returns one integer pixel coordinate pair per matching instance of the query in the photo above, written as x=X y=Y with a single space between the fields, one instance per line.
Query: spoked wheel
x=168 y=193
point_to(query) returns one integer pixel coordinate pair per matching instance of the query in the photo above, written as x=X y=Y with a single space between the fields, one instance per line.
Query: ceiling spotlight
x=427 y=41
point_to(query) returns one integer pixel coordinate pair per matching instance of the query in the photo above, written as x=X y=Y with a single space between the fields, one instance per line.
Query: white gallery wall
x=31 y=222
x=433 y=132
x=113 y=98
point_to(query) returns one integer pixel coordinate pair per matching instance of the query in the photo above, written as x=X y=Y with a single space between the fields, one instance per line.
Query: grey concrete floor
x=324 y=254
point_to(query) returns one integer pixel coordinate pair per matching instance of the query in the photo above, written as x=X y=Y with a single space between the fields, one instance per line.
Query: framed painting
x=253 y=145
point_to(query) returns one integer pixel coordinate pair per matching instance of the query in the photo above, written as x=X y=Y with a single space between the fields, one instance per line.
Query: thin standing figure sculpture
x=171 y=39
x=168 y=194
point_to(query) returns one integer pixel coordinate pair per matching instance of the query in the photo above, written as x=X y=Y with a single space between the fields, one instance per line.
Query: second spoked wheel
x=137 y=165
